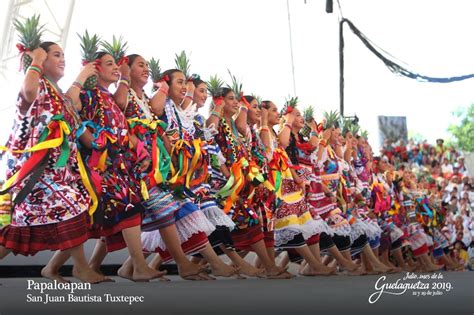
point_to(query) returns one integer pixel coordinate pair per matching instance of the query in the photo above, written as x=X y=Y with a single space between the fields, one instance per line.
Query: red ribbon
x=21 y=48
x=37 y=156
x=98 y=64
x=244 y=100
x=123 y=60
x=320 y=127
x=218 y=100
x=165 y=78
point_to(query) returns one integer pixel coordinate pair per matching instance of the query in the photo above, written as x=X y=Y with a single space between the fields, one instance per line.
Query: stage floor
x=301 y=295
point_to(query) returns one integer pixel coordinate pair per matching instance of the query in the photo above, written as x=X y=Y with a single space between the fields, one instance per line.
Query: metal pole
x=341 y=67
x=291 y=48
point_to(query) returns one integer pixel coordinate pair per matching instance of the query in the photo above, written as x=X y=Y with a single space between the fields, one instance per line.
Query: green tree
x=463 y=131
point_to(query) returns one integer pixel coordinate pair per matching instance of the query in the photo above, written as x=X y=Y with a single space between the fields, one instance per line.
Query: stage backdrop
x=392 y=128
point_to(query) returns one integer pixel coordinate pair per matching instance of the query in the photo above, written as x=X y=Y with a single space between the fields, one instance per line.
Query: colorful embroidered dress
x=293 y=219
x=53 y=215
x=160 y=205
x=191 y=224
x=236 y=198
x=112 y=163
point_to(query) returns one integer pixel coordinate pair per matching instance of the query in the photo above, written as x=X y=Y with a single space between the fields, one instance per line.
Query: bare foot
x=126 y=273
x=205 y=276
x=277 y=272
x=189 y=271
x=238 y=276
x=89 y=275
x=146 y=274
x=250 y=271
x=224 y=270
x=96 y=269
x=349 y=265
x=358 y=272
x=48 y=273
x=311 y=272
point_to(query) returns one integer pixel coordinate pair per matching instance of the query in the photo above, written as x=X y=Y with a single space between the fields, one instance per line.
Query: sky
x=251 y=39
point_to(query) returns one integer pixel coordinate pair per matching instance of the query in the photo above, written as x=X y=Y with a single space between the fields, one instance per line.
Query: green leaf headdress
x=183 y=64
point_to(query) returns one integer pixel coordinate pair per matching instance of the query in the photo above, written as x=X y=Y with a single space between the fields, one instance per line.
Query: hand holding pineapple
x=327 y=133
x=290 y=117
x=124 y=70
x=87 y=71
x=161 y=84
x=38 y=56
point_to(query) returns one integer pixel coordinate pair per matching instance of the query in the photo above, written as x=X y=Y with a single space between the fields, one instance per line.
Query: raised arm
x=158 y=100
x=121 y=94
x=265 y=131
x=216 y=115
x=75 y=89
x=189 y=94
x=30 y=86
x=241 y=120
x=284 y=135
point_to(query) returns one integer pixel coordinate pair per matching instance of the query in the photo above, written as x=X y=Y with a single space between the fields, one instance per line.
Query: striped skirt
x=28 y=240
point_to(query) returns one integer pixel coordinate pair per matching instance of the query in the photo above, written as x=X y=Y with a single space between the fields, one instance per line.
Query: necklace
x=56 y=101
x=141 y=105
x=232 y=143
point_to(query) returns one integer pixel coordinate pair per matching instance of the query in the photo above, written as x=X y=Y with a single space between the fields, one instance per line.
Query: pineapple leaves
x=117 y=48
x=214 y=85
x=30 y=32
x=89 y=46
x=183 y=64
x=235 y=86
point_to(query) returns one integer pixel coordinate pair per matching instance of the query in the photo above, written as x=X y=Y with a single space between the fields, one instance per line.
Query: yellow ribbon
x=44 y=145
x=88 y=185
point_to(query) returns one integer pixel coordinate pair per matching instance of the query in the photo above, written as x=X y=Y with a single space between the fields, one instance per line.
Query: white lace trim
x=308 y=229
x=358 y=229
x=321 y=226
x=395 y=233
x=285 y=235
x=187 y=117
x=217 y=217
x=373 y=230
x=343 y=229
x=191 y=224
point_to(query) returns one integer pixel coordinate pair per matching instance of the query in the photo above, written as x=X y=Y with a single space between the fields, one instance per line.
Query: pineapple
x=89 y=47
x=183 y=64
x=308 y=114
x=116 y=49
x=350 y=125
x=30 y=38
x=364 y=134
x=236 y=86
x=290 y=103
x=214 y=85
x=155 y=71
x=259 y=100
x=332 y=119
